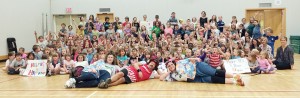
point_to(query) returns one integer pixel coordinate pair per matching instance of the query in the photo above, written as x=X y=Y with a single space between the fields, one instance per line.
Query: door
x=67 y=19
x=102 y=16
x=59 y=19
x=257 y=14
x=274 y=18
x=77 y=19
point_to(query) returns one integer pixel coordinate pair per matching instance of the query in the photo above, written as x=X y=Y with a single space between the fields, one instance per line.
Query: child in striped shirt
x=215 y=58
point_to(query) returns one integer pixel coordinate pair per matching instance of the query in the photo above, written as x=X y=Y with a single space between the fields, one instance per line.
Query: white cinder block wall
x=133 y=8
x=19 y=18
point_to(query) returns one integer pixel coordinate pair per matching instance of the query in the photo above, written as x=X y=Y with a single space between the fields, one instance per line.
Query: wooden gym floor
x=285 y=83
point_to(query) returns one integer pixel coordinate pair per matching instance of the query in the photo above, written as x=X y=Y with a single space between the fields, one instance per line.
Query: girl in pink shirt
x=264 y=64
x=22 y=51
x=168 y=30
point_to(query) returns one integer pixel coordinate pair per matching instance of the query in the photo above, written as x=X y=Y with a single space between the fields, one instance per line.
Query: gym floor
x=284 y=83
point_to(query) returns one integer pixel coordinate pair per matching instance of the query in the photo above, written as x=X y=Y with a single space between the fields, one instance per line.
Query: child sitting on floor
x=16 y=65
x=11 y=57
x=264 y=64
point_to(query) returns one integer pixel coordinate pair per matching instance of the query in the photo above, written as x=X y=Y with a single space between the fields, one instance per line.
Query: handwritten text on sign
x=36 y=68
x=237 y=65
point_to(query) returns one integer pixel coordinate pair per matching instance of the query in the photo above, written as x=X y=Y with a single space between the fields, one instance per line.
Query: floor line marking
x=160 y=90
x=91 y=94
x=279 y=73
x=151 y=96
x=9 y=80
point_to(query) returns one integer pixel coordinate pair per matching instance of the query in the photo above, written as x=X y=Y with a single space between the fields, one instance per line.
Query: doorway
x=102 y=16
x=67 y=19
x=270 y=17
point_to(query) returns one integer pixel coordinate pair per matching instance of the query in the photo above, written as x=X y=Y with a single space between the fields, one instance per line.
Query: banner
x=237 y=65
x=36 y=68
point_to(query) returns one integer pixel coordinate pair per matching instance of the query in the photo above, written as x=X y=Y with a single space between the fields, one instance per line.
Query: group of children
x=211 y=41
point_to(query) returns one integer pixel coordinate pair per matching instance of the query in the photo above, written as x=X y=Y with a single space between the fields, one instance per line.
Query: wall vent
x=104 y=10
x=265 y=4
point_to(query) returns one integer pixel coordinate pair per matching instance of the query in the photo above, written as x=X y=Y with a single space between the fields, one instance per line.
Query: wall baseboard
x=3 y=57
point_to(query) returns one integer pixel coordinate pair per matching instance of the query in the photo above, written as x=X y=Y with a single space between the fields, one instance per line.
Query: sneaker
x=49 y=73
x=70 y=83
x=101 y=84
x=108 y=81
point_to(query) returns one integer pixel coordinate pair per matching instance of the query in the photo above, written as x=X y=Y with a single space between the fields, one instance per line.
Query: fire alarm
x=278 y=2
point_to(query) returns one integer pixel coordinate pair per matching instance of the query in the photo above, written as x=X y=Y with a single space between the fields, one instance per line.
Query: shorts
x=127 y=79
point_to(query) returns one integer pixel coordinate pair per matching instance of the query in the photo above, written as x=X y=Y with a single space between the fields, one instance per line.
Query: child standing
x=270 y=37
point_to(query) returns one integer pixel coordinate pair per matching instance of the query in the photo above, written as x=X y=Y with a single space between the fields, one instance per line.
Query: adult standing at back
x=256 y=30
x=284 y=56
x=173 y=21
x=126 y=21
x=203 y=18
x=156 y=20
x=146 y=23
x=251 y=26
x=117 y=23
x=106 y=23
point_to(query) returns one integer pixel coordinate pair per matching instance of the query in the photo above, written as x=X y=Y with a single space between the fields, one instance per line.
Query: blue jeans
x=88 y=79
x=103 y=75
x=203 y=69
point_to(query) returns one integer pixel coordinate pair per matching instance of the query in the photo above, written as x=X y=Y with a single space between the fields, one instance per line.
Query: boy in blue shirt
x=270 y=37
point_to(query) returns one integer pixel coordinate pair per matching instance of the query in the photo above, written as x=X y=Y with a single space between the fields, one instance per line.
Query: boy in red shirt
x=215 y=58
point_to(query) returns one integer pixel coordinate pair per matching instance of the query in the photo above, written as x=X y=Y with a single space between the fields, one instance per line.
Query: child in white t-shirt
x=11 y=57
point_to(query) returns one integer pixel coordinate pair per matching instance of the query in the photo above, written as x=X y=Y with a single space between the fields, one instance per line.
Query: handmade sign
x=237 y=65
x=36 y=68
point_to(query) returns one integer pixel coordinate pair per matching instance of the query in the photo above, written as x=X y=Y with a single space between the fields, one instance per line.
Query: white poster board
x=237 y=65
x=36 y=68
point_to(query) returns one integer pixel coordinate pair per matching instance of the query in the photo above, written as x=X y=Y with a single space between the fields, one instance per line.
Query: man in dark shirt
x=284 y=56
x=173 y=20
x=156 y=20
x=106 y=23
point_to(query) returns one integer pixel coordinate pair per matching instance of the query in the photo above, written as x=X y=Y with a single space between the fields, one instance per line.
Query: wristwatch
x=139 y=70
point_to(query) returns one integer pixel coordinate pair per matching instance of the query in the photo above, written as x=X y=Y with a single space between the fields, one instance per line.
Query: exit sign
x=68 y=10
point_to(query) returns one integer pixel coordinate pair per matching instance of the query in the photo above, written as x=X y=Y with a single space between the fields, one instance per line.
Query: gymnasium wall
x=19 y=18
